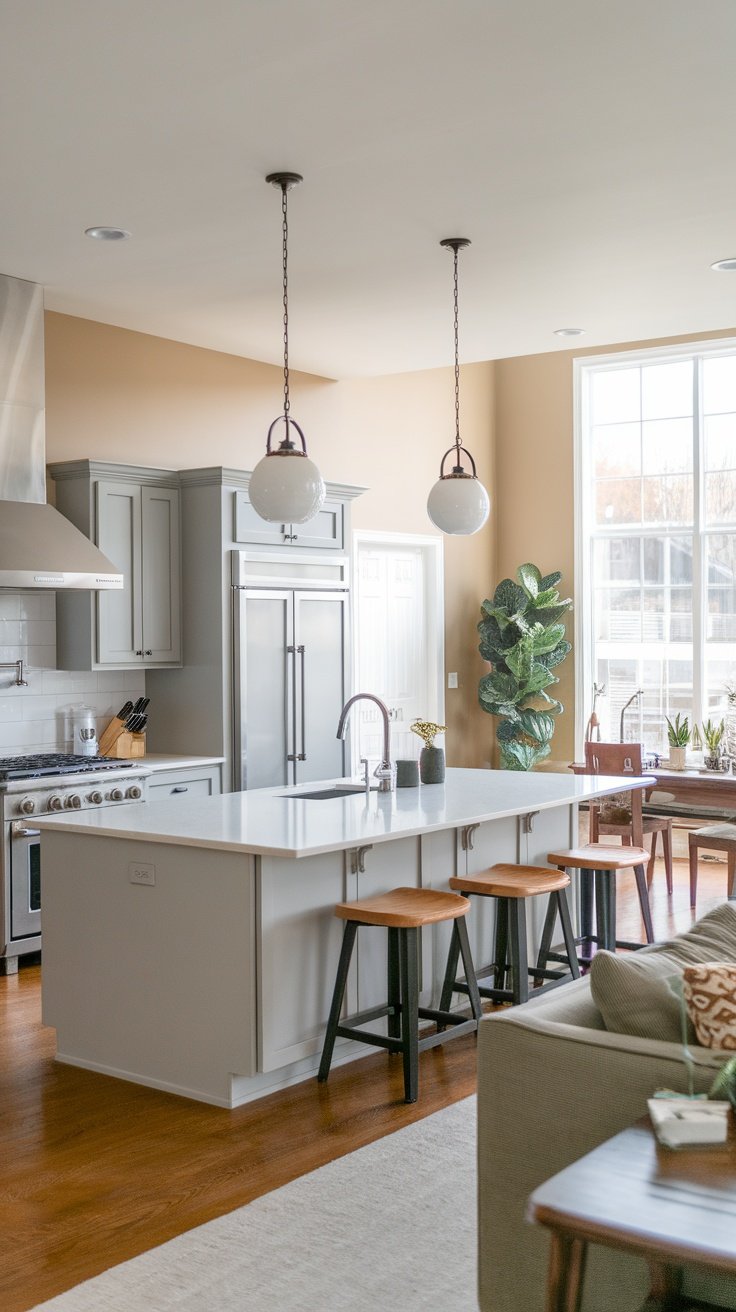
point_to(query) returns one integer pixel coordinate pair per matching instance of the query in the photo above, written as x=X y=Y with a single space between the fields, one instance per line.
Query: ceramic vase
x=432 y=765
x=677 y=758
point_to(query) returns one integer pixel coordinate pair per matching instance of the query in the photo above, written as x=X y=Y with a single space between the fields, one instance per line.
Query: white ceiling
x=586 y=148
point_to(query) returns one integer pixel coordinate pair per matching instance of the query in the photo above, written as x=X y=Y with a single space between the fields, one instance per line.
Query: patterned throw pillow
x=710 y=996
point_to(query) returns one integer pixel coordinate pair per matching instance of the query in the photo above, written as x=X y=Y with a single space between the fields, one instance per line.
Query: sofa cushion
x=634 y=991
x=710 y=995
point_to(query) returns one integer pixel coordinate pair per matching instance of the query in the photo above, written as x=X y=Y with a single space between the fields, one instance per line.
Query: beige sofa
x=552 y=1084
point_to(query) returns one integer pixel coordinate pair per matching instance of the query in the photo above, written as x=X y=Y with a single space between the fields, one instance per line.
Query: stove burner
x=34 y=767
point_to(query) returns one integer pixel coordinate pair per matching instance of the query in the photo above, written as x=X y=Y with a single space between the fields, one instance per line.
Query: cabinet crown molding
x=221 y=476
x=113 y=472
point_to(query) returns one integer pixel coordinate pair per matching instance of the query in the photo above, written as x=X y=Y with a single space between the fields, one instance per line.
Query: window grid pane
x=647 y=605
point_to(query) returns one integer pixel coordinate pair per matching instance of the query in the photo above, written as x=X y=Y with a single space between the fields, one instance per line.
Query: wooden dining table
x=694 y=793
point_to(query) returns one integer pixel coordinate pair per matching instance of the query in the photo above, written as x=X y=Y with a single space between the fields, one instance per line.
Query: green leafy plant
x=713 y=736
x=724 y=1085
x=522 y=637
x=678 y=731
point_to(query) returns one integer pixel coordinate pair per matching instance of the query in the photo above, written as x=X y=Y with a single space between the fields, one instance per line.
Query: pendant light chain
x=285 y=270
x=458 y=443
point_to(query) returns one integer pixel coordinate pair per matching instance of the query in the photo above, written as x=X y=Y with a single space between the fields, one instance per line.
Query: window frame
x=585 y=528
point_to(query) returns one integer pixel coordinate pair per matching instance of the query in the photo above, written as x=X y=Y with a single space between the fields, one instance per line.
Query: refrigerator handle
x=291 y=651
x=303 y=753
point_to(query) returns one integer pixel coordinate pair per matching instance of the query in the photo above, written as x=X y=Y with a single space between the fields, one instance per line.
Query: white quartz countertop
x=268 y=823
x=159 y=761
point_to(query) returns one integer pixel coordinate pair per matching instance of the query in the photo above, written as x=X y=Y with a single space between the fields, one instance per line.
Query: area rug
x=390 y=1225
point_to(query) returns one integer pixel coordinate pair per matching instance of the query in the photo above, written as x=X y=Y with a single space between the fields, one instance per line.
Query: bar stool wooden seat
x=717 y=838
x=599 y=864
x=403 y=912
x=511 y=885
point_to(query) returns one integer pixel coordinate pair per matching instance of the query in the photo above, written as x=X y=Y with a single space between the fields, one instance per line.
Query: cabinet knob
x=149 y=652
x=139 y=652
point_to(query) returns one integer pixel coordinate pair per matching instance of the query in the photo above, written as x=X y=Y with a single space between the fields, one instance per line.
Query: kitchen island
x=192 y=946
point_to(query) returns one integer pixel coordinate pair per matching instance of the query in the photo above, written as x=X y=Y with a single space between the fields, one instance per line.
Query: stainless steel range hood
x=39 y=548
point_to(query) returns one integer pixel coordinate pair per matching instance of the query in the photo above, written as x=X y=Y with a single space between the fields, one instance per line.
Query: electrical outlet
x=140 y=873
x=452 y=681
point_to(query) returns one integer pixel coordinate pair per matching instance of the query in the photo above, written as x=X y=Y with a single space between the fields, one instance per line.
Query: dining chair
x=623 y=813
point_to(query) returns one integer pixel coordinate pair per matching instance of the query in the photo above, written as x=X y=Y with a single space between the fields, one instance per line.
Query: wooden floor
x=94 y=1170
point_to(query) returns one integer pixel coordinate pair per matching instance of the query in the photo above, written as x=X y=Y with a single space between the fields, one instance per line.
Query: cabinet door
x=265 y=728
x=249 y=527
x=321 y=637
x=119 y=614
x=184 y=783
x=325 y=530
x=161 y=585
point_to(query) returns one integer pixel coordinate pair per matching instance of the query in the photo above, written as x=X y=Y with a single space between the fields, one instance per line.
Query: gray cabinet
x=133 y=516
x=188 y=782
x=291 y=684
x=327 y=529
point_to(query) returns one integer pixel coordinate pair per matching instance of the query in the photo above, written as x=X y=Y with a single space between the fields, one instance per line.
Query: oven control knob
x=135 y=792
x=95 y=797
x=116 y=795
x=55 y=803
x=74 y=801
x=27 y=806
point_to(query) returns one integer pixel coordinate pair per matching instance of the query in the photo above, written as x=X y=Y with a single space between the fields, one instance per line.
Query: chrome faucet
x=639 y=693
x=384 y=772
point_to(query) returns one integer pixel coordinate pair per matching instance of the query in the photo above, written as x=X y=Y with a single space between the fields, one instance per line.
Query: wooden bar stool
x=599 y=864
x=511 y=885
x=403 y=912
x=717 y=838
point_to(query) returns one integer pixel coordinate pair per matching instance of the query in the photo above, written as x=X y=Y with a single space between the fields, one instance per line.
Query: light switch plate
x=452 y=680
x=141 y=873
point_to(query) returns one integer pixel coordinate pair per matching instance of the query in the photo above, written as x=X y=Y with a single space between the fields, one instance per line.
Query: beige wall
x=117 y=395
x=534 y=481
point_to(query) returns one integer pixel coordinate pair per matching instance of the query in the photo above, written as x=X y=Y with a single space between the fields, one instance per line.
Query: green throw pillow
x=634 y=990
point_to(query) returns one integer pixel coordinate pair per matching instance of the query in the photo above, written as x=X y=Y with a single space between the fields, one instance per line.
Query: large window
x=656 y=521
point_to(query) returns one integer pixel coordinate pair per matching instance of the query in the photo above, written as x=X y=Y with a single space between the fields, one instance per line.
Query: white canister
x=84 y=741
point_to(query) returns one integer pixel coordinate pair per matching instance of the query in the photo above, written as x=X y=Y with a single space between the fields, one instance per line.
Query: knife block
x=128 y=746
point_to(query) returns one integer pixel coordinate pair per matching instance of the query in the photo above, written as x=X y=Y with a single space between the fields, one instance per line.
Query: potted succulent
x=730 y=719
x=431 y=758
x=678 y=737
x=713 y=737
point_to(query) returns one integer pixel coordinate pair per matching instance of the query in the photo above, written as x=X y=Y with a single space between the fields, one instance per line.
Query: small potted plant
x=713 y=737
x=431 y=758
x=730 y=719
x=678 y=737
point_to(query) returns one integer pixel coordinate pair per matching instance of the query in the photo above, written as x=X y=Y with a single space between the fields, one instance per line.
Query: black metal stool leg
x=519 y=958
x=451 y=970
x=609 y=883
x=410 y=1011
x=567 y=932
x=601 y=912
x=460 y=936
x=546 y=939
x=501 y=943
x=394 y=984
x=348 y=942
x=646 y=910
x=586 y=910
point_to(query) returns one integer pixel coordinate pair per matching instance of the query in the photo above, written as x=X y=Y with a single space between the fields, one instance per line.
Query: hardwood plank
x=94 y=1171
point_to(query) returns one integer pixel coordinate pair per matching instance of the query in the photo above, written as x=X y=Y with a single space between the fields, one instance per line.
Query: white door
x=399 y=652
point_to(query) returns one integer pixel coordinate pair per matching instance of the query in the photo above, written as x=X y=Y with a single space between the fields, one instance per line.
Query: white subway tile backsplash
x=39 y=717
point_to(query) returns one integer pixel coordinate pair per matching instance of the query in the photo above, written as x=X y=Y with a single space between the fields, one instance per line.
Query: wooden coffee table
x=675 y=1208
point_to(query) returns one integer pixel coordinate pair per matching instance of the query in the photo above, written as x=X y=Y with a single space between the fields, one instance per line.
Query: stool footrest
x=371 y=1013
x=368 y=1036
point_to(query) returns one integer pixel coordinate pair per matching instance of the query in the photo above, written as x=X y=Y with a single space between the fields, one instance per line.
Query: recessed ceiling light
x=568 y=332
x=106 y=234
x=725 y=266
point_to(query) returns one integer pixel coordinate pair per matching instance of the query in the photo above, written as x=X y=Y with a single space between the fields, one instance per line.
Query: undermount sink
x=328 y=794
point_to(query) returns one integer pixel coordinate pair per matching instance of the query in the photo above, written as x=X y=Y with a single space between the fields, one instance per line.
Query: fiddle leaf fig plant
x=522 y=637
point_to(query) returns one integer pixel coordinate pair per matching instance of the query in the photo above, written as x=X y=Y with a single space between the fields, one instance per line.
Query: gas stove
x=34 y=767
x=34 y=786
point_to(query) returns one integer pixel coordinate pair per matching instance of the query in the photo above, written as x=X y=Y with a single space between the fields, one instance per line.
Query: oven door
x=25 y=880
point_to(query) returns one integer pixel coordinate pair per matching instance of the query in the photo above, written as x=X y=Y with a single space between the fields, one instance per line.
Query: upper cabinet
x=327 y=529
x=133 y=516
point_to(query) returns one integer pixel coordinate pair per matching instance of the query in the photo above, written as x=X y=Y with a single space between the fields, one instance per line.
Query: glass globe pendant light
x=458 y=503
x=286 y=487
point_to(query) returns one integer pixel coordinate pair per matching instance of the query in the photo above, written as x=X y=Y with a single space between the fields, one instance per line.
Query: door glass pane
x=720 y=497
